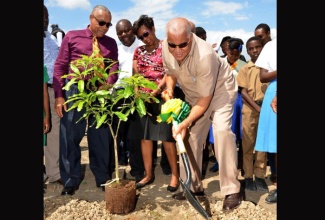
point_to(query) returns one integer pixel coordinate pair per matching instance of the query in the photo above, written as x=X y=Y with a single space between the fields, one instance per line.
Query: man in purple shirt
x=100 y=141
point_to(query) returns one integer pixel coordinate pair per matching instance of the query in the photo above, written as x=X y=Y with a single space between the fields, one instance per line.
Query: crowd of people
x=230 y=102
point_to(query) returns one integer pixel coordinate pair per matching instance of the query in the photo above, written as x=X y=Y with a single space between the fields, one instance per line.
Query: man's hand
x=59 y=103
x=156 y=92
x=167 y=94
x=181 y=129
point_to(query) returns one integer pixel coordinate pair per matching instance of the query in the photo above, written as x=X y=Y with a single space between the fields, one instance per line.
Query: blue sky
x=219 y=18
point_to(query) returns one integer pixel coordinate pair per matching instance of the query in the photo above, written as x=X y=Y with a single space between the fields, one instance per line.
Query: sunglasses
x=145 y=34
x=102 y=23
x=182 y=45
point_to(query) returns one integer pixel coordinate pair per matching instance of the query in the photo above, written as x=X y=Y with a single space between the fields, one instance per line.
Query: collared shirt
x=51 y=51
x=202 y=73
x=125 y=58
x=236 y=66
x=76 y=43
x=249 y=78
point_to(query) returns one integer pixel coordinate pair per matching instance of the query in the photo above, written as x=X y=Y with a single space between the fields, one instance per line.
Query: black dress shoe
x=100 y=186
x=232 y=201
x=172 y=188
x=141 y=185
x=69 y=190
x=273 y=178
x=249 y=184
x=167 y=172
x=199 y=193
x=215 y=167
x=261 y=184
x=212 y=159
x=138 y=178
x=181 y=196
x=272 y=197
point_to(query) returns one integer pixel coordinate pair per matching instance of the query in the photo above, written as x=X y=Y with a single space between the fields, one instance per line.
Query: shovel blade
x=193 y=201
x=186 y=186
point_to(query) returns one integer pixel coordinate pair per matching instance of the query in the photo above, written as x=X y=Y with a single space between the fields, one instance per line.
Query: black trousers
x=133 y=133
x=100 y=145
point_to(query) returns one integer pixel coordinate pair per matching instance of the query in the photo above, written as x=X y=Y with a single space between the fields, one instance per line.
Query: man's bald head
x=178 y=26
x=123 y=22
x=179 y=38
x=124 y=32
x=192 y=26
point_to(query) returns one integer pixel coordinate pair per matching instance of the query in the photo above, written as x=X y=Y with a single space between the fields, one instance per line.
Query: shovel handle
x=179 y=139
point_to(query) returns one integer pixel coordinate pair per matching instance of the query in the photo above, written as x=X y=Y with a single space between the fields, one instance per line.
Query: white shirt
x=125 y=58
x=267 y=57
x=51 y=51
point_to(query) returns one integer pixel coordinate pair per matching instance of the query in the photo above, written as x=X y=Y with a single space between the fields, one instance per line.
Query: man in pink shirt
x=100 y=141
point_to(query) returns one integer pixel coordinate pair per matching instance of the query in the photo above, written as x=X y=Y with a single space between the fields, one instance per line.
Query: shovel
x=186 y=185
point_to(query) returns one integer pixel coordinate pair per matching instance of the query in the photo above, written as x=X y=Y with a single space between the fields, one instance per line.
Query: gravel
x=154 y=201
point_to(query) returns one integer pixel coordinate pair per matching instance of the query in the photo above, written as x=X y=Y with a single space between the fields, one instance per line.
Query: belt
x=50 y=85
x=259 y=103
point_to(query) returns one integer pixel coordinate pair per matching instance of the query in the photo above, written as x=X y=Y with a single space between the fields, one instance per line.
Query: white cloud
x=219 y=18
x=222 y=8
x=70 y=4
x=241 y=17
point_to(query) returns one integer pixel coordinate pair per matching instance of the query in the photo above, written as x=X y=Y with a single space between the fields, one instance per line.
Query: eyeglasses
x=145 y=34
x=182 y=45
x=125 y=31
x=102 y=23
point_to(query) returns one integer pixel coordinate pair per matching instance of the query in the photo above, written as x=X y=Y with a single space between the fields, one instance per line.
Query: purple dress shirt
x=76 y=43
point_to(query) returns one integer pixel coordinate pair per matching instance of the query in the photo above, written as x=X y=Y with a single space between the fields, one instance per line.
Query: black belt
x=259 y=103
x=50 y=85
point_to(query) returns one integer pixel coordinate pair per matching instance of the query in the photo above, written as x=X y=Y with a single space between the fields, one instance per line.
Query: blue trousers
x=100 y=145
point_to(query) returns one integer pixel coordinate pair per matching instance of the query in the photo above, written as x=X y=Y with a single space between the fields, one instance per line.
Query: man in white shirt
x=126 y=49
x=125 y=56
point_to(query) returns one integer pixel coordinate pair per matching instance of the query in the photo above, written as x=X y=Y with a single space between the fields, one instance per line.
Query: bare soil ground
x=153 y=201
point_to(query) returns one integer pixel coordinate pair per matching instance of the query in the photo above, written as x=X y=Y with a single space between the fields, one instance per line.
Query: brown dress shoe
x=232 y=201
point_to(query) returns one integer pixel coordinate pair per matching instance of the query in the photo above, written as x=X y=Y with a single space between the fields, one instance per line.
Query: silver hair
x=100 y=7
x=178 y=26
